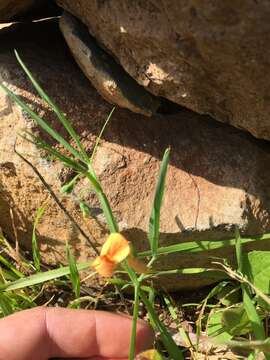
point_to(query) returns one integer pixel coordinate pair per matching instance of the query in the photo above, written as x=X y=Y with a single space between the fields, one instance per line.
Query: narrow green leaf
x=66 y=160
x=94 y=182
x=24 y=301
x=42 y=123
x=7 y=275
x=152 y=294
x=63 y=119
x=35 y=244
x=166 y=338
x=113 y=227
x=171 y=347
x=230 y=294
x=154 y=221
x=255 y=320
x=101 y=133
x=42 y=277
x=250 y=308
x=84 y=209
x=74 y=273
x=216 y=290
x=132 y=349
x=205 y=245
x=12 y=268
x=238 y=248
x=256 y=323
x=188 y=271
x=124 y=283
x=172 y=310
x=77 y=302
x=68 y=187
x=5 y=305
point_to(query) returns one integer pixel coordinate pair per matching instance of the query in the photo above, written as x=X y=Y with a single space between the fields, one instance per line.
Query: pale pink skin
x=43 y=333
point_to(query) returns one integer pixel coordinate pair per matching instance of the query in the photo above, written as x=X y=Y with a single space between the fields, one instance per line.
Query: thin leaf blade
x=42 y=123
x=154 y=222
x=35 y=243
x=74 y=273
x=204 y=245
x=63 y=119
x=42 y=277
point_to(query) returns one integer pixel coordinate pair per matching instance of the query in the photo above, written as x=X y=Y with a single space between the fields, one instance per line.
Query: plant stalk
x=132 y=351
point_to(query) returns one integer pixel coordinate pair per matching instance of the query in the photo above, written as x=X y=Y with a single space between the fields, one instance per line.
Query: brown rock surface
x=218 y=176
x=210 y=56
x=108 y=77
x=27 y=10
x=11 y=8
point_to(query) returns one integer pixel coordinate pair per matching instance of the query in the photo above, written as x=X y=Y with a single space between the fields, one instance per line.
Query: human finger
x=42 y=333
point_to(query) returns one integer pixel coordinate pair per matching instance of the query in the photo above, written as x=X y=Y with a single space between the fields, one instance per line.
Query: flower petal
x=137 y=265
x=116 y=248
x=104 y=266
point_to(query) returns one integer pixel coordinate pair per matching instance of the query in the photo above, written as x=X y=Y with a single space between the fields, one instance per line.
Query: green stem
x=153 y=259
x=167 y=340
x=134 y=323
x=113 y=227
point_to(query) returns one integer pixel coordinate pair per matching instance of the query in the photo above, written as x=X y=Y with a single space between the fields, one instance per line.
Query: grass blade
x=134 y=323
x=25 y=301
x=207 y=272
x=250 y=308
x=5 y=305
x=41 y=277
x=171 y=347
x=12 y=268
x=94 y=182
x=101 y=133
x=113 y=227
x=74 y=273
x=175 y=317
x=35 y=244
x=68 y=187
x=204 y=245
x=154 y=221
x=65 y=122
x=257 y=325
x=66 y=160
x=42 y=123
x=85 y=209
x=7 y=275
x=238 y=249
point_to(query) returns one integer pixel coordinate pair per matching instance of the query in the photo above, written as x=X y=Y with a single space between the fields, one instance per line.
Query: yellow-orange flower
x=115 y=250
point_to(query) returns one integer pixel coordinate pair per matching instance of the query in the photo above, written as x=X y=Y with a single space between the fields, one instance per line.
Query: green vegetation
x=234 y=312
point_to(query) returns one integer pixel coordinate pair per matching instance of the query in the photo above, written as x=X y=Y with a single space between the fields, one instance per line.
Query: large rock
x=210 y=56
x=108 y=77
x=218 y=176
x=11 y=8
x=24 y=10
